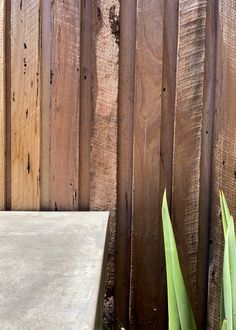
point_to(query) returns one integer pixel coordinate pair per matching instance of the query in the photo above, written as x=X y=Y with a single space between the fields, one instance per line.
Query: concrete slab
x=51 y=266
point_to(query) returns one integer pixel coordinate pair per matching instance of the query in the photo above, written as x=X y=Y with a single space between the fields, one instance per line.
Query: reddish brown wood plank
x=64 y=118
x=85 y=105
x=189 y=200
x=2 y=102
x=103 y=157
x=125 y=158
x=146 y=292
x=170 y=37
x=25 y=104
x=224 y=152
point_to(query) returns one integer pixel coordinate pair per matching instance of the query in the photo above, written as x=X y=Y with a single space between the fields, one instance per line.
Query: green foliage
x=228 y=297
x=179 y=308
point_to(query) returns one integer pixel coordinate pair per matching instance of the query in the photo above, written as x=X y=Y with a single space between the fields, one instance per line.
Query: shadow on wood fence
x=105 y=103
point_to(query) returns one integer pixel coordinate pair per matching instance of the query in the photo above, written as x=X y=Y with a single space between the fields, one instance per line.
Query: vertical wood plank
x=45 y=104
x=64 y=117
x=2 y=101
x=189 y=200
x=170 y=36
x=224 y=148
x=103 y=157
x=146 y=292
x=125 y=159
x=85 y=105
x=25 y=104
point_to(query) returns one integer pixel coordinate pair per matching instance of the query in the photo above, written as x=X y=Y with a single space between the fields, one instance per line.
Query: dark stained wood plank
x=191 y=164
x=170 y=37
x=25 y=104
x=146 y=230
x=125 y=158
x=2 y=102
x=64 y=118
x=224 y=151
x=168 y=93
x=103 y=156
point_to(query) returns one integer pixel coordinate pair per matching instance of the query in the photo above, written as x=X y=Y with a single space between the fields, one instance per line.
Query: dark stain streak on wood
x=28 y=164
x=114 y=24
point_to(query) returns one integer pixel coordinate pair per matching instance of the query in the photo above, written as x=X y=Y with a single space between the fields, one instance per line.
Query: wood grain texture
x=64 y=118
x=188 y=141
x=85 y=105
x=146 y=228
x=224 y=148
x=125 y=159
x=25 y=104
x=170 y=36
x=45 y=104
x=103 y=157
x=2 y=102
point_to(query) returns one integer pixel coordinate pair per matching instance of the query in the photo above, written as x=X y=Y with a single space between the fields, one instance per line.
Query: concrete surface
x=51 y=266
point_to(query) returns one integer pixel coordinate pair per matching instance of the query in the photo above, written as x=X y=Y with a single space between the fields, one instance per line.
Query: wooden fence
x=105 y=103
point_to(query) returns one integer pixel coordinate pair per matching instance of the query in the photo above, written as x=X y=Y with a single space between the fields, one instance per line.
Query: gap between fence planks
x=145 y=290
x=64 y=116
x=2 y=103
x=25 y=104
x=224 y=150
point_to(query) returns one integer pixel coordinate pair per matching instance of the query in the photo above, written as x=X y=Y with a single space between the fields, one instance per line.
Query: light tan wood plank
x=2 y=102
x=224 y=143
x=25 y=101
x=103 y=157
x=64 y=118
x=146 y=228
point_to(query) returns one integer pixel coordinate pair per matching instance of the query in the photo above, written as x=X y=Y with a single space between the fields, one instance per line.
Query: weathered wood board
x=224 y=148
x=187 y=152
x=2 y=103
x=146 y=226
x=65 y=96
x=125 y=159
x=25 y=104
x=103 y=156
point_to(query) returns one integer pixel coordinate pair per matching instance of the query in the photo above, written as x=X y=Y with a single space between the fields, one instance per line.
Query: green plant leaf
x=224 y=325
x=228 y=298
x=179 y=308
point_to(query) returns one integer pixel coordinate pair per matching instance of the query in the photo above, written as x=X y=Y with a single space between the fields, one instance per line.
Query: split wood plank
x=64 y=117
x=25 y=104
x=103 y=157
x=189 y=213
x=146 y=292
x=2 y=102
x=125 y=159
x=224 y=148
